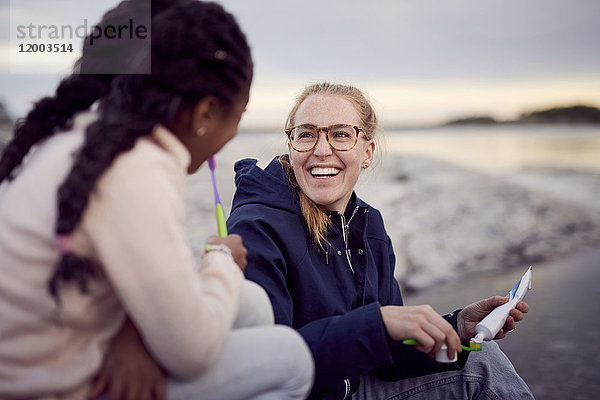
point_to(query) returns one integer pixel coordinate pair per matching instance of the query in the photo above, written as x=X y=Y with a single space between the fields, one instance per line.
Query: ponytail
x=317 y=220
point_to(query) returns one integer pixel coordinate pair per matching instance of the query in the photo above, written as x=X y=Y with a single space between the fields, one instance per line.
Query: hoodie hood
x=322 y=294
x=268 y=186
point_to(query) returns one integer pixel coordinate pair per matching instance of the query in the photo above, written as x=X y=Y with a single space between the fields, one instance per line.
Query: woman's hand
x=234 y=242
x=475 y=312
x=423 y=324
x=128 y=371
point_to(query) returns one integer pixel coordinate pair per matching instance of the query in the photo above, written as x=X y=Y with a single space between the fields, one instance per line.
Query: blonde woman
x=327 y=263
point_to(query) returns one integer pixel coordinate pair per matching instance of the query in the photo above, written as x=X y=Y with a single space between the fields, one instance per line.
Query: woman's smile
x=324 y=173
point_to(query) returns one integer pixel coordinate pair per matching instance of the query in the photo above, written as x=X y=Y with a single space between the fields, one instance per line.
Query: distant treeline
x=561 y=115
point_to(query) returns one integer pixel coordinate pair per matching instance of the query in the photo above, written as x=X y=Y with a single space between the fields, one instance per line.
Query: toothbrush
x=221 y=227
x=442 y=354
x=413 y=342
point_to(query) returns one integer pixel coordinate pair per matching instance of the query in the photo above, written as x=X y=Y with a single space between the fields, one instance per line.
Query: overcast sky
x=421 y=61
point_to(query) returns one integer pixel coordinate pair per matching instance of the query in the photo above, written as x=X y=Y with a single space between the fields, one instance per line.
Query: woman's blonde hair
x=317 y=220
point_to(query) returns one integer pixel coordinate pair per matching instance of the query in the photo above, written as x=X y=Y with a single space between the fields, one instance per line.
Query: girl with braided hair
x=92 y=237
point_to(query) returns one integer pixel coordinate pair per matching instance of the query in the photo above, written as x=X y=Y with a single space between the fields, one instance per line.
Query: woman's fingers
x=442 y=333
x=516 y=315
x=425 y=325
x=523 y=307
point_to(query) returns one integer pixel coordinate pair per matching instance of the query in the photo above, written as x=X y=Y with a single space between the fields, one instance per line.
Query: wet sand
x=556 y=348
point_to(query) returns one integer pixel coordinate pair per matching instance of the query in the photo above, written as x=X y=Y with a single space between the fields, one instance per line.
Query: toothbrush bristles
x=474 y=346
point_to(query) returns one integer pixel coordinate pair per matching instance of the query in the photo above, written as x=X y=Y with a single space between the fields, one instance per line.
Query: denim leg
x=488 y=375
x=261 y=363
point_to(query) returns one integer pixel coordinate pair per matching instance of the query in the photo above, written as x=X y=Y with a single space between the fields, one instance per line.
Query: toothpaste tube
x=489 y=327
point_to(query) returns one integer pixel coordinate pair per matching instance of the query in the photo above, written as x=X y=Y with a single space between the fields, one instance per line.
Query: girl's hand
x=423 y=324
x=128 y=371
x=475 y=312
x=234 y=242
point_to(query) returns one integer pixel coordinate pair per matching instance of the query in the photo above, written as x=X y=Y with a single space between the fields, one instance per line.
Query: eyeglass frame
x=326 y=129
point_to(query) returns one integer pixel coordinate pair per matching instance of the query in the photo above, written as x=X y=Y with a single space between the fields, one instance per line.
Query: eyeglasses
x=341 y=137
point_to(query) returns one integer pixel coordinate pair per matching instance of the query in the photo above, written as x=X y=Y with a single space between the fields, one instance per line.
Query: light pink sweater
x=134 y=225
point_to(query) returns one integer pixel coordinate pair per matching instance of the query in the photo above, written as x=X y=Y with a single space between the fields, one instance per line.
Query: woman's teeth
x=324 y=172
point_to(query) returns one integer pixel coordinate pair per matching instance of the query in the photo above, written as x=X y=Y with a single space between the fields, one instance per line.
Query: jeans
x=488 y=374
x=259 y=361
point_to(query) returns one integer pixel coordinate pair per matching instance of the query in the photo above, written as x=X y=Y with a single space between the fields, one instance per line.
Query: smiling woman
x=325 y=259
x=333 y=105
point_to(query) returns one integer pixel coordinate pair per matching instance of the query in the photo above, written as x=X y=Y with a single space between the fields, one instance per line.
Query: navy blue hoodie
x=333 y=296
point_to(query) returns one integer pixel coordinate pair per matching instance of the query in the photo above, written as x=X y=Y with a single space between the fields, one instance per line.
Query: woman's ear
x=369 y=151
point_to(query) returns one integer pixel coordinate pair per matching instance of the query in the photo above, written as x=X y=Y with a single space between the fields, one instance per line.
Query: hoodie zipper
x=345 y=232
x=348 y=387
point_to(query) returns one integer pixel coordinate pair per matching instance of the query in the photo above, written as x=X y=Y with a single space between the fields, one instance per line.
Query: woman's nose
x=322 y=147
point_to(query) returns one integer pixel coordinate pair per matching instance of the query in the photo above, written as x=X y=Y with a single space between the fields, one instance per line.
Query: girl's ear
x=205 y=113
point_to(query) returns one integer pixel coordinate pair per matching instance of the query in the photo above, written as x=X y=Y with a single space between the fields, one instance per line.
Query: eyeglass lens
x=340 y=137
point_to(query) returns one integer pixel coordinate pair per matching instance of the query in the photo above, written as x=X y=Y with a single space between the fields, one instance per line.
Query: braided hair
x=197 y=50
x=76 y=92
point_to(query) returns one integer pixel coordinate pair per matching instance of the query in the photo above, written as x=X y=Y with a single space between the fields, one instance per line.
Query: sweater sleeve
x=134 y=225
x=342 y=346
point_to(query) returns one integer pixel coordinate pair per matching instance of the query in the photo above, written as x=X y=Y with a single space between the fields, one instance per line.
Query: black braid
x=52 y=114
x=197 y=50
x=75 y=93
